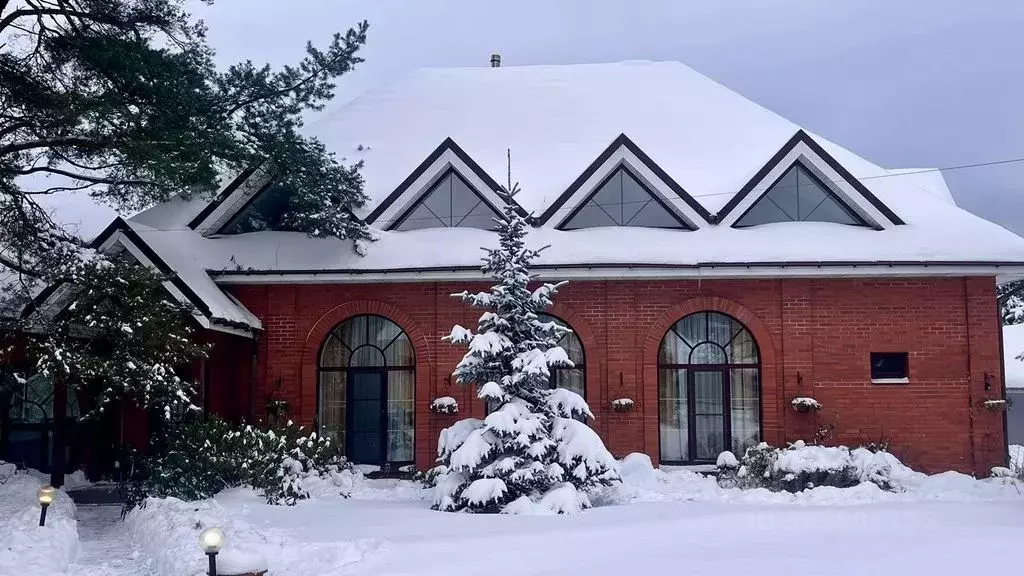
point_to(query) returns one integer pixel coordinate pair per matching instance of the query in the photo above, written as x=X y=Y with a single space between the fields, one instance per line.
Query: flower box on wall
x=994 y=405
x=623 y=405
x=444 y=405
x=805 y=404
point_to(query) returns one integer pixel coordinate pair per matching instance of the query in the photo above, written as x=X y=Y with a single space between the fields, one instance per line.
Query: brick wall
x=814 y=336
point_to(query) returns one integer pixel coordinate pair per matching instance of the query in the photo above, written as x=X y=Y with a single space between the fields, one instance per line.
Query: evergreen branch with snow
x=532 y=449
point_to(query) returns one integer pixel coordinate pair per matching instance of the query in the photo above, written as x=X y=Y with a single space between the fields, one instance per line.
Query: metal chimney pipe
x=495 y=60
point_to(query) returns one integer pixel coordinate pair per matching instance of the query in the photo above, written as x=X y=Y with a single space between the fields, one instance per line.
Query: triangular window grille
x=450 y=203
x=799 y=196
x=265 y=211
x=621 y=200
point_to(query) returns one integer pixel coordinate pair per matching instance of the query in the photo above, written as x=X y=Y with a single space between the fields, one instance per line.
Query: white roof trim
x=626 y=272
x=837 y=184
x=119 y=238
x=623 y=156
x=415 y=191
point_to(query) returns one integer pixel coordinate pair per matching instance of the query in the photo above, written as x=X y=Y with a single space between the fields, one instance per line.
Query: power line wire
x=860 y=179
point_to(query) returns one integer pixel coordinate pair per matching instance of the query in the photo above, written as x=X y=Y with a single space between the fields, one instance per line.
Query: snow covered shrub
x=800 y=466
x=529 y=451
x=728 y=467
x=204 y=455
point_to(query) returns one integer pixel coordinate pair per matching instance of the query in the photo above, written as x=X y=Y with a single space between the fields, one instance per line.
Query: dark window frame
x=249 y=203
x=904 y=374
x=557 y=371
x=429 y=189
x=726 y=371
x=385 y=368
x=615 y=171
x=830 y=193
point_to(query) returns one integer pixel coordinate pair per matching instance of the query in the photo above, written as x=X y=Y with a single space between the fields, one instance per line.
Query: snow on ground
x=656 y=520
x=104 y=549
x=27 y=549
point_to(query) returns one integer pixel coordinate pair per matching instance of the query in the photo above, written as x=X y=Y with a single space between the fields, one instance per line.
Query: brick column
x=982 y=315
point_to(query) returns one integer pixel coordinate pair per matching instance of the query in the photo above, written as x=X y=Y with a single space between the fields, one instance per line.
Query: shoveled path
x=104 y=546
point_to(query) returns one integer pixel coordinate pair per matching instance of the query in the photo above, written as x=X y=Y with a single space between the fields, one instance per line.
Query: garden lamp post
x=46 y=495
x=211 y=541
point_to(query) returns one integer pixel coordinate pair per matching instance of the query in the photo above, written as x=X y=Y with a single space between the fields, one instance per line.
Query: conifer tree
x=530 y=451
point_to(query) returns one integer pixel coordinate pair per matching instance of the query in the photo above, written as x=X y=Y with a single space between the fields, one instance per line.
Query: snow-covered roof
x=1013 y=346
x=703 y=149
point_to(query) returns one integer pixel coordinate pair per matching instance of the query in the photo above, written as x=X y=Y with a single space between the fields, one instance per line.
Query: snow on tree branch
x=529 y=452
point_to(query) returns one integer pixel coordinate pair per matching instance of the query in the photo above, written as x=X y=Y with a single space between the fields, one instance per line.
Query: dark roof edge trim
x=638 y=266
x=797 y=138
x=623 y=141
x=447 y=144
x=228 y=191
x=120 y=225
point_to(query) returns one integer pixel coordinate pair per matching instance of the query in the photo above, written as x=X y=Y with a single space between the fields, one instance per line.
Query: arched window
x=367 y=390
x=574 y=378
x=709 y=396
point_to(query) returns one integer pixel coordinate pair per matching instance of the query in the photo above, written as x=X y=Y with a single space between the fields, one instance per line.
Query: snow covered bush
x=800 y=466
x=529 y=453
x=205 y=455
x=622 y=405
x=444 y=405
x=805 y=404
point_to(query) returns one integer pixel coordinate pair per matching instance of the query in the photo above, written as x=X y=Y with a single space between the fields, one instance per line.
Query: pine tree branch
x=70 y=141
x=85 y=177
x=64 y=12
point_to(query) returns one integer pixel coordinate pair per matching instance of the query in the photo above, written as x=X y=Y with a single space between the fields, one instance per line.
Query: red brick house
x=721 y=260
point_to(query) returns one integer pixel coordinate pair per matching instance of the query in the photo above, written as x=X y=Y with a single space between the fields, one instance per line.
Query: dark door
x=709 y=421
x=365 y=437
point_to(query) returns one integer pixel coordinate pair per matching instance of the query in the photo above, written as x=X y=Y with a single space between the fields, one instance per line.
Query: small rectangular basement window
x=889 y=368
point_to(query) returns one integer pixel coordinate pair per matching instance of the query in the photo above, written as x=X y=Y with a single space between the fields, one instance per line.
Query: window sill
x=903 y=380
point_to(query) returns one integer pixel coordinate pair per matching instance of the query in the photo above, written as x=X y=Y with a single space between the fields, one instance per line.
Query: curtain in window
x=401 y=394
x=672 y=408
x=746 y=409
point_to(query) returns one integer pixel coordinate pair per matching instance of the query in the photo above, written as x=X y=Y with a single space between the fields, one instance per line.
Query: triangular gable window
x=450 y=203
x=265 y=211
x=621 y=200
x=799 y=196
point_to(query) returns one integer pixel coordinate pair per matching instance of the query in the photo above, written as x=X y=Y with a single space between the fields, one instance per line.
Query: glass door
x=708 y=430
x=367 y=403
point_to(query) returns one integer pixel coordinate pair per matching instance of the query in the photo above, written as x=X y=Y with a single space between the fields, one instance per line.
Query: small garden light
x=211 y=541
x=46 y=496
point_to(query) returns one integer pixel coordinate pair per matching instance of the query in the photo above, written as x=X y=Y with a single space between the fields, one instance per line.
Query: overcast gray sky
x=904 y=83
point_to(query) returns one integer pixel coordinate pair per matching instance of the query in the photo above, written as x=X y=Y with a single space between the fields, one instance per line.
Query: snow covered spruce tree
x=530 y=452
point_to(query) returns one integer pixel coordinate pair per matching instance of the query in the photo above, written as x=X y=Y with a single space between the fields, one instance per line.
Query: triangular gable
x=799 y=196
x=118 y=236
x=235 y=197
x=445 y=158
x=264 y=210
x=818 y=171
x=449 y=202
x=623 y=200
x=623 y=152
